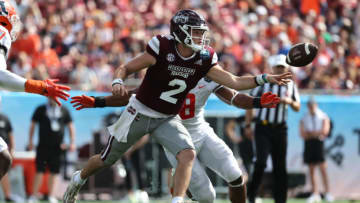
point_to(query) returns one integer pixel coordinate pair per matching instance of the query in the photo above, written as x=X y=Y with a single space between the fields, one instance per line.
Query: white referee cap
x=280 y=60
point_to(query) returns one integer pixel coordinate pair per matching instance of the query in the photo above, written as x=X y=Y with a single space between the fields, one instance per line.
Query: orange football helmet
x=9 y=19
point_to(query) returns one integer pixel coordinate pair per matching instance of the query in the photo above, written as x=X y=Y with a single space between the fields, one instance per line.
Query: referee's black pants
x=270 y=139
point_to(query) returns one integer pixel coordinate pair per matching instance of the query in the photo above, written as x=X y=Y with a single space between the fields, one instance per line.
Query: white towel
x=121 y=127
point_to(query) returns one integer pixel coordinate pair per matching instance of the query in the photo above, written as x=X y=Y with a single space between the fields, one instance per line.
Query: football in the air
x=301 y=54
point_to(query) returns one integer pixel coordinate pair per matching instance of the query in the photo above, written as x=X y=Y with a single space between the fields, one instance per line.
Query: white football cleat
x=314 y=198
x=142 y=196
x=33 y=199
x=72 y=190
x=53 y=199
x=329 y=197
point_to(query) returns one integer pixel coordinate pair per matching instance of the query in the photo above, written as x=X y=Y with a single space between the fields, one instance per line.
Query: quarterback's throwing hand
x=269 y=100
x=119 y=89
x=83 y=101
x=282 y=79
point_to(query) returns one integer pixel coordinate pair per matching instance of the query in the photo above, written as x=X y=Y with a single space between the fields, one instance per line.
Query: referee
x=271 y=132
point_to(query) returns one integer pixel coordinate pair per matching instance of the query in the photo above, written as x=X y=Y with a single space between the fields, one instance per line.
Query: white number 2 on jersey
x=167 y=96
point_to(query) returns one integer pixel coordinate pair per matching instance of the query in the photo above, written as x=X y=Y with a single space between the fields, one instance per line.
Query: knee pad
x=232 y=174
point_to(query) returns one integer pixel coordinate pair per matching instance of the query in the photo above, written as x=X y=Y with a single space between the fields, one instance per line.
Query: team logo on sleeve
x=205 y=54
x=170 y=57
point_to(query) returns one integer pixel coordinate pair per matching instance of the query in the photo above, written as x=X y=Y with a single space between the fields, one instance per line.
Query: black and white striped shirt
x=276 y=115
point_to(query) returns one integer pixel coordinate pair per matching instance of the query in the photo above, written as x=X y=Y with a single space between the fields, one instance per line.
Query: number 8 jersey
x=167 y=82
x=192 y=112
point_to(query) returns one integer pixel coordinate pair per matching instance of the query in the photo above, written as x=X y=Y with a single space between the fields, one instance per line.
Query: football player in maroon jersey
x=175 y=63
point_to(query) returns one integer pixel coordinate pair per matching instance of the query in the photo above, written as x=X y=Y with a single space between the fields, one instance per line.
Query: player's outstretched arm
x=244 y=101
x=138 y=63
x=83 y=101
x=13 y=82
x=225 y=78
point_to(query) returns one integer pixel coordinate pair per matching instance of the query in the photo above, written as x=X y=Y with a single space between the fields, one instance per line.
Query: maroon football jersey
x=167 y=82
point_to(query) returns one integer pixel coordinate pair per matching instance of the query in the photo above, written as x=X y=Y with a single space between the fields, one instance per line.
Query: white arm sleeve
x=9 y=80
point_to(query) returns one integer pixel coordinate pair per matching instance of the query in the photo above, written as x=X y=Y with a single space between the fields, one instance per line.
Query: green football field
x=225 y=201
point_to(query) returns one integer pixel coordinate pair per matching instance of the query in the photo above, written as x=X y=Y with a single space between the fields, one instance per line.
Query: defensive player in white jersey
x=210 y=149
x=10 y=26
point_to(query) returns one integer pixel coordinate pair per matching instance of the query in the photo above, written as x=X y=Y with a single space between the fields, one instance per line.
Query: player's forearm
x=111 y=101
x=121 y=72
x=235 y=82
x=227 y=79
x=244 y=101
x=116 y=100
x=245 y=83
x=239 y=100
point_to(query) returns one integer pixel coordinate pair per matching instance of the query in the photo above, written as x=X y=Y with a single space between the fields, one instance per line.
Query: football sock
x=237 y=191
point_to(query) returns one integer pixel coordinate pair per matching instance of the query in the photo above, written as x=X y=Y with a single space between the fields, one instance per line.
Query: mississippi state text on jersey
x=167 y=82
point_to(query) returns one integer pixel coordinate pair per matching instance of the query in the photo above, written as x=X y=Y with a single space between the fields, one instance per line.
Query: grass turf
x=224 y=201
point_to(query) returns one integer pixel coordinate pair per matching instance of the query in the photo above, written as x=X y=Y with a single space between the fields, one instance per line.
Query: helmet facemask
x=16 y=27
x=195 y=36
x=9 y=19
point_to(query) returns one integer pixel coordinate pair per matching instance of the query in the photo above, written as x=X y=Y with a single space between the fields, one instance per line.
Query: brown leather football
x=301 y=54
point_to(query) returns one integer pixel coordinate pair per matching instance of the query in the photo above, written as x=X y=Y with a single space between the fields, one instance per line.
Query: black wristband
x=257 y=102
x=100 y=102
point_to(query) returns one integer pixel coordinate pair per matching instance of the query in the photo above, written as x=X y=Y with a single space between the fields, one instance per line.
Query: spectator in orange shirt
x=46 y=55
x=29 y=42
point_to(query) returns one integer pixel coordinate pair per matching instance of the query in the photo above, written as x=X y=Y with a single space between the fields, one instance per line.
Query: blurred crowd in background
x=81 y=42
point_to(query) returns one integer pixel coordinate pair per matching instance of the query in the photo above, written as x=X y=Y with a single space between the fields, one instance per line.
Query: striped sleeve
x=153 y=46
x=214 y=60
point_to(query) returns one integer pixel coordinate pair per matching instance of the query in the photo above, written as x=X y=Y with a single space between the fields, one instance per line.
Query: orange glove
x=269 y=100
x=83 y=101
x=48 y=88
